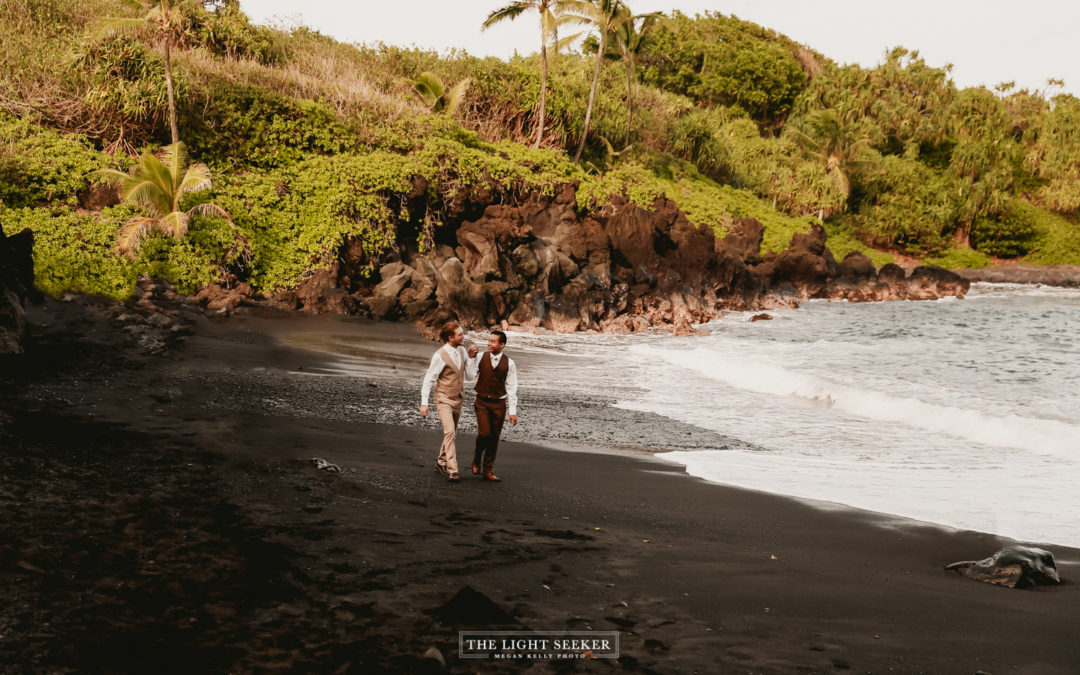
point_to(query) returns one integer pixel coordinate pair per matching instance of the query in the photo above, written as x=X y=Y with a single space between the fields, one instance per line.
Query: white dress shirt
x=472 y=369
x=437 y=364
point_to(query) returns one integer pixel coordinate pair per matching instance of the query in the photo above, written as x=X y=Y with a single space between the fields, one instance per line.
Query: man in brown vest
x=447 y=373
x=496 y=392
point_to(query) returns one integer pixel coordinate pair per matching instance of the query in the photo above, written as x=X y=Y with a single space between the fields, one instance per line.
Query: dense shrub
x=227 y=31
x=720 y=60
x=1054 y=154
x=905 y=205
x=77 y=251
x=74 y=252
x=42 y=165
x=1057 y=239
x=959 y=258
x=1010 y=235
x=251 y=127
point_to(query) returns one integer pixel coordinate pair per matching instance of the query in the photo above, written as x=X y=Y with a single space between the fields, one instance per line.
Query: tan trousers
x=449 y=414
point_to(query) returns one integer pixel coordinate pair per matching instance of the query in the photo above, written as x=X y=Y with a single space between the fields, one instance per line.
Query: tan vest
x=451 y=382
x=491 y=382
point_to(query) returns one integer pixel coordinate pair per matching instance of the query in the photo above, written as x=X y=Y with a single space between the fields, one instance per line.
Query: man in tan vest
x=447 y=373
x=496 y=394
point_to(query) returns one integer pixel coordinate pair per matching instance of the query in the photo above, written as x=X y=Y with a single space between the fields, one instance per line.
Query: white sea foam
x=1042 y=436
x=960 y=413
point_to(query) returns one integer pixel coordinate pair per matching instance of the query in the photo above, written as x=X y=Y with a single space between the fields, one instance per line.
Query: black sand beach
x=161 y=514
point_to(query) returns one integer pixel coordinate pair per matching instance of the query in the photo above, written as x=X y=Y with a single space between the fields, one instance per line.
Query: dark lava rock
x=1015 y=567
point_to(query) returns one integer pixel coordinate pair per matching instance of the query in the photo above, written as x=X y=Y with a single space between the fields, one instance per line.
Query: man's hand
x=423 y=410
x=472 y=351
x=513 y=420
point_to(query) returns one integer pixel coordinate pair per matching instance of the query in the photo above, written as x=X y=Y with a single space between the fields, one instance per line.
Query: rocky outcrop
x=16 y=287
x=156 y=317
x=540 y=265
x=808 y=270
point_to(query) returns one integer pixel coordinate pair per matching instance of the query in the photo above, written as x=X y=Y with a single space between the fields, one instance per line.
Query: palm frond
x=196 y=177
x=569 y=39
x=111 y=176
x=132 y=233
x=579 y=7
x=429 y=88
x=153 y=171
x=508 y=13
x=209 y=210
x=174 y=158
x=457 y=95
x=145 y=194
x=175 y=224
x=549 y=26
x=114 y=26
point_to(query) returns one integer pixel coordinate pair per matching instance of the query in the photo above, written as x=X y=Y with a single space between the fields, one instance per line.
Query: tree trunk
x=592 y=95
x=962 y=236
x=172 y=97
x=543 y=87
x=629 y=62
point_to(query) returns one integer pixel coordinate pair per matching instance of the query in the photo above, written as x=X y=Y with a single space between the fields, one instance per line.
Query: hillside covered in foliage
x=312 y=143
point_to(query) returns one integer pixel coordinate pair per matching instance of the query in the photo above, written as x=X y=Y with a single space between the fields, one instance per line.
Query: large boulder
x=930 y=283
x=1014 y=567
x=456 y=291
x=803 y=268
x=743 y=239
x=321 y=293
x=16 y=286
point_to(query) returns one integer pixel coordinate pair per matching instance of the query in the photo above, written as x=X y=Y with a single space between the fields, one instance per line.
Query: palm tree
x=548 y=33
x=603 y=16
x=432 y=92
x=629 y=33
x=823 y=135
x=163 y=19
x=156 y=186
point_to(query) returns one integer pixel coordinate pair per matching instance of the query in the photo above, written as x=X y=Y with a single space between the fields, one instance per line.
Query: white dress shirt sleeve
x=511 y=388
x=472 y=366
x=430 y=376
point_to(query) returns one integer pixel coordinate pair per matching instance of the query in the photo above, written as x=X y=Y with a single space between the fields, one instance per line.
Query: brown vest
x=492 y=381
x=451 y=382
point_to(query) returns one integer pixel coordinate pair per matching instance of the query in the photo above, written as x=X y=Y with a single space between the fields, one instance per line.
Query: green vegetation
x=434 y=94
x=156 y=188
x=41 y=166
x=161 y=22
x=314 y=143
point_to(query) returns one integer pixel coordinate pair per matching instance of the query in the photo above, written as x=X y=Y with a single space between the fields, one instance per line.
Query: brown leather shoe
x=475 y=468
x=454 y=477
x=491 y=477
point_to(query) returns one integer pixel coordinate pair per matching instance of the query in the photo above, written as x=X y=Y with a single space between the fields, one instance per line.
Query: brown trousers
x=490 y=416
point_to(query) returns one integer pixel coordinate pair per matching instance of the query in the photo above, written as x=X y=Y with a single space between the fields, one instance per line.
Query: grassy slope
x=313 y=141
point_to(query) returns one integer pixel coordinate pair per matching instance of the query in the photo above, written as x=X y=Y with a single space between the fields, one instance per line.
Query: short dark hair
x=448 y=330
x=502 y=335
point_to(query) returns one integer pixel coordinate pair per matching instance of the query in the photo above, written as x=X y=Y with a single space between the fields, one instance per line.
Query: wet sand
x=161 y=513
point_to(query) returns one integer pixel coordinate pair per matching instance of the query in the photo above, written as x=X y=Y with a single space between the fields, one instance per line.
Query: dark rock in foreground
x=16 y=286
x=1014 y=567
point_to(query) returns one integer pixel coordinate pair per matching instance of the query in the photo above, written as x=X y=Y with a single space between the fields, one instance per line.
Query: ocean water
x=964 y=413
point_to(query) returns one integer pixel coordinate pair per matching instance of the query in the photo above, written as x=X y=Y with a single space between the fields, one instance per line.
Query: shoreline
x=1064 y=276
x=389 y=345
x=152 y=506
